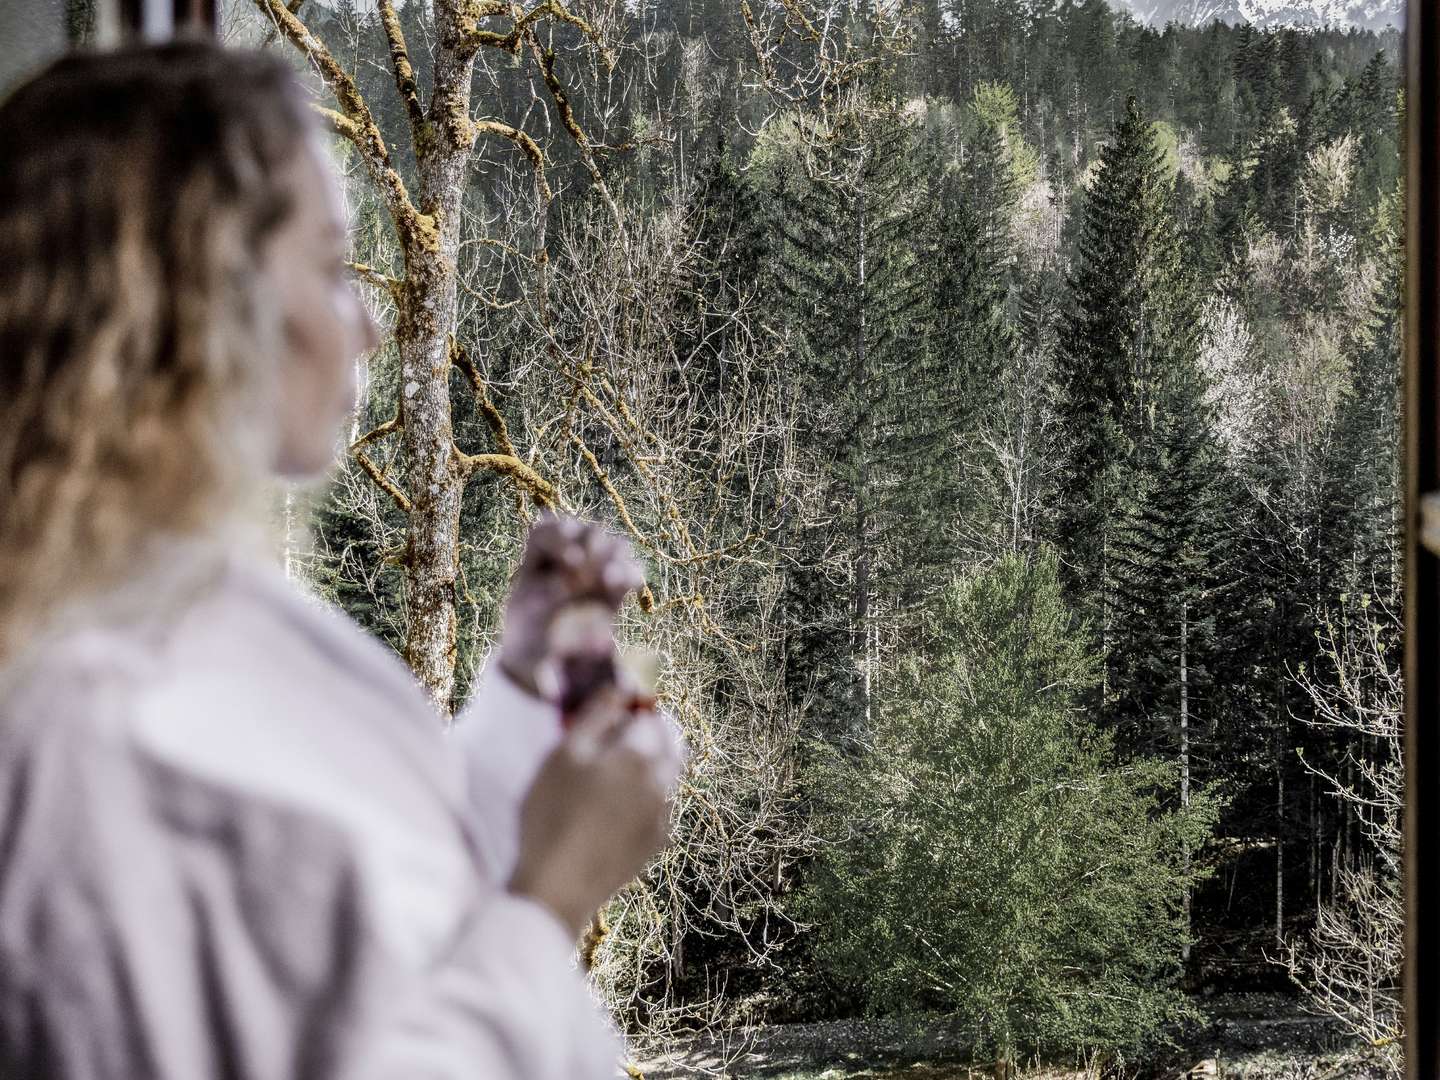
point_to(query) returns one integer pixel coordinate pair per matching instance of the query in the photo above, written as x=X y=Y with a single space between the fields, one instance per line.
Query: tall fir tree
x=856 y=292
x=1360 y=484
x=1165 y=573
x=971 y=343
x=1131 y=319
x=1168 y=583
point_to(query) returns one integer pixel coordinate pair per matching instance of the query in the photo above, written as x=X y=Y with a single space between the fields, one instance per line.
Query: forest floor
x=1249 y=1036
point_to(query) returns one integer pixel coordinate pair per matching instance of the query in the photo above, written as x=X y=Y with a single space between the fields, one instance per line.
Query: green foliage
x=1131 y=320
x=1167 y=575
x=994 y=113
x=854 y=288
x=1361 y=471
x=987 y=857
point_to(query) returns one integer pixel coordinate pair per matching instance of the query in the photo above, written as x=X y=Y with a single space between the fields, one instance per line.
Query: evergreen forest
x=1004 y=399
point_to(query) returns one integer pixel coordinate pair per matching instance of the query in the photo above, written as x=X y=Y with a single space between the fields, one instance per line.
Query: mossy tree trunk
x=443 y=135
x=433 y=471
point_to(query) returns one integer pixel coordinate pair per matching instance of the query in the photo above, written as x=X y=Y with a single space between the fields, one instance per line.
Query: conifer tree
x=1131 y=319
x=1167 y=544
x=857 y=299
x=1361 y=472
x=973 y=345
x=988 y=858
x=1168 y=583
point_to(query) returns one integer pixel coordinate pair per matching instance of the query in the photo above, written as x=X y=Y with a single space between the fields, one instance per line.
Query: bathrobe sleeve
x=504 y=736
x=165 y=914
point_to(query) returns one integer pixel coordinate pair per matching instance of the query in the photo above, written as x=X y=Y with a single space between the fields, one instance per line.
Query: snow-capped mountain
x=1369 y=14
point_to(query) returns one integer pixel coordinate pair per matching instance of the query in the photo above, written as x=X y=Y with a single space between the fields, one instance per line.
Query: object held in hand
x=584 y=660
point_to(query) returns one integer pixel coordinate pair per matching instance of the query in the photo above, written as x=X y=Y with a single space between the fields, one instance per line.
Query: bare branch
x=498 y=428
x=383 y=481
x=528 y=145
x=340 y=124
x=511 y=40
x=391 y=285
x=545 y=57
x=414 y=227
x=400 y=61
x=509 y=465
x=379 y=432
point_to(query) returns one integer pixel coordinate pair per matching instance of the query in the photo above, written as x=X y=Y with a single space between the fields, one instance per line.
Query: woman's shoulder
x=202 y=615
x=247 y=714
x=225 y=670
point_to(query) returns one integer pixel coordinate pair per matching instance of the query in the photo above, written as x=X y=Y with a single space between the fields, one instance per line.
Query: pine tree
x=988 y=858
x=1161 y=577
x=1131 y=319
x=857 y=297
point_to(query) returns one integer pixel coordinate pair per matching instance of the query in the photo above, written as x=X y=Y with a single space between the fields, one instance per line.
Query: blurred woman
x=233 y=840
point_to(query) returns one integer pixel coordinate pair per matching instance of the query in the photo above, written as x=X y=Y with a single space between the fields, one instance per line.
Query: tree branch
x=378 y=432
x=510 y=42
x=340 y=124
x=377 y=474
x=471 y=13
x=382 y=481
x=509 y=465
x=375 y=277
x=415 y=229
x=615 y=496
x=404 y=71
x=498 y=428
x=530 y=147
x=546 y=59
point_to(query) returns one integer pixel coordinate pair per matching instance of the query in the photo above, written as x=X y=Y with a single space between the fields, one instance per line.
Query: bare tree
x=687 y=440
x=640 y=403
x=445 y=130
x=1349 y=968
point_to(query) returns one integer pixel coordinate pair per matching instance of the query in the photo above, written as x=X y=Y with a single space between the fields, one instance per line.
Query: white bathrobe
x=234 y=843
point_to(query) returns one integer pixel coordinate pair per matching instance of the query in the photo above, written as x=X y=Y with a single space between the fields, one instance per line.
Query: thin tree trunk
x=289 y=531
x=862 y=494
x=1314 y=837
x=1279 y=849
x=1185 y=761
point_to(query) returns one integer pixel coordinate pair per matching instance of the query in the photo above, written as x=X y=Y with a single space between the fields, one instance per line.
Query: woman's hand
x=597 y=810
x=565 y=561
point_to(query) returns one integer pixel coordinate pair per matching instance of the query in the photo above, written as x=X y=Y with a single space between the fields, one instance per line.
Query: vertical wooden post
x=157 y=20
x=1185 y=766
x=195 y=16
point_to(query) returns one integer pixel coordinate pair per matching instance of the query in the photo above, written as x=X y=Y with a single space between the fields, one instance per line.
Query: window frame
x=160 y=19
x=1422 y=551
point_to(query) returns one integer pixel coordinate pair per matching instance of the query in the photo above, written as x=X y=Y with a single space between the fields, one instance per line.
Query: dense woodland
x=1004 y=398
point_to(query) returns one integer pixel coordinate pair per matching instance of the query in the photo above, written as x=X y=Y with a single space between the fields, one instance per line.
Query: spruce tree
x=988 y=858
x=1362 y=470
x=971 y=344
x=856 y=298
x=1131 y=318
x=1168 y=584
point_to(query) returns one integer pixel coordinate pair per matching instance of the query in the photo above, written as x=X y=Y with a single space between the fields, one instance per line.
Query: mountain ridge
x=1364 y=14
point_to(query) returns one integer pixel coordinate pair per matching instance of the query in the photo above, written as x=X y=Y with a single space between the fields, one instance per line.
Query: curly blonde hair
x=138 y=343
